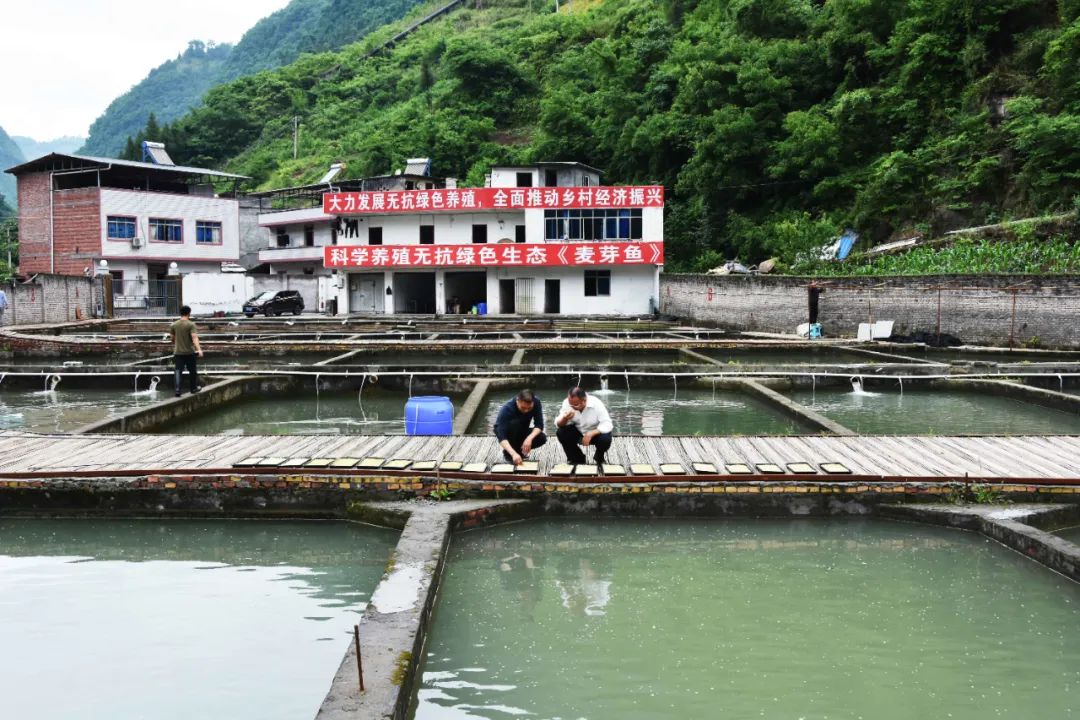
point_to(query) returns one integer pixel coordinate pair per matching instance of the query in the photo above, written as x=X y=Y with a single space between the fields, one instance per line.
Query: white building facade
x=540 y=239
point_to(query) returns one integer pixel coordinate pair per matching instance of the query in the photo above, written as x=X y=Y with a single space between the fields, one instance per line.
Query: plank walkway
x=1036 y=459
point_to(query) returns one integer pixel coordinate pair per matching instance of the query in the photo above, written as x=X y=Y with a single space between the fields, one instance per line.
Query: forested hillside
x=32 y=148
x=772 y=123
x=174 y=87
x=10 y=155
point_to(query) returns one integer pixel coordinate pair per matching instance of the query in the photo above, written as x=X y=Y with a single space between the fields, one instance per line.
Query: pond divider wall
x=796 y=410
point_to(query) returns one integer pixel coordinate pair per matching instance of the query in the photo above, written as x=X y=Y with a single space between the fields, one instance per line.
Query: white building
x=543 y=238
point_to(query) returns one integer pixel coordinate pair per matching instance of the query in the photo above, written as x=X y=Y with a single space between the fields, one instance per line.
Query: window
x=121 y=227
x=282 y=237
x=162 y=230
x=427 y=234
x=519 y=233
x=524 y=179
x=207 y=232
x=601 y=225
x=551 y=178
x=586 y=181
x=374 y=235
x=479 y=234
x=309 y=236
x=597 y=283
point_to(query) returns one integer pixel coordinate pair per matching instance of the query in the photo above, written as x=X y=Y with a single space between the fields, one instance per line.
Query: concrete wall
x=51 y=299
x=976 y=309
x=208 y=293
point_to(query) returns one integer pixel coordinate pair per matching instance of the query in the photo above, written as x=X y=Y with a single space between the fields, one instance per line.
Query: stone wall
x=51 y=299
x=1039 y=311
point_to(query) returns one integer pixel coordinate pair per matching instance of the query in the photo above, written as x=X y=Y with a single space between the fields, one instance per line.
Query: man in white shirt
x=583 y=420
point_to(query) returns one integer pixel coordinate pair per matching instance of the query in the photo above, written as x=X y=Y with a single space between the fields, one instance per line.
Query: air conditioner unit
x=136 y=242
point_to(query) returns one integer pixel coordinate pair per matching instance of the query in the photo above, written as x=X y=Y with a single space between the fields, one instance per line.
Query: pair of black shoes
x=178 y=393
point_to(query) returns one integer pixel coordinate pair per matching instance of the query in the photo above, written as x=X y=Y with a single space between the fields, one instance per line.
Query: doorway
x=551 y=297
x=506 y=297
x=464 y=291
x=414 y=293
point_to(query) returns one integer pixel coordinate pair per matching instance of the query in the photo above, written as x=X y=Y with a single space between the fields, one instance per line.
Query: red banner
x=501 y=255
x=469 y=199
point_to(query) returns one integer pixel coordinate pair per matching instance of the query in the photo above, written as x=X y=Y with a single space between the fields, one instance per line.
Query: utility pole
x=295 y=134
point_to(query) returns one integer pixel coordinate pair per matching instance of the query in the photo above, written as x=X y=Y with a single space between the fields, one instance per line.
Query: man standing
x=185 y=348
x=583 y=420
x=519 y=426
x=3 y=305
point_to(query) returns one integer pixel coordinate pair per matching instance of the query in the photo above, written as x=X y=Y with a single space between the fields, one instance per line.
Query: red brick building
x=75 y=211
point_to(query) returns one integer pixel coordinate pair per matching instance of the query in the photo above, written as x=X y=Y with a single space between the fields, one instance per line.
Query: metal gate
x=523 y=296
x=145 y=297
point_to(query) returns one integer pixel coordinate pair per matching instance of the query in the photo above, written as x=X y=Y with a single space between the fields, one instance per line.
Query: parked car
x=275 y=303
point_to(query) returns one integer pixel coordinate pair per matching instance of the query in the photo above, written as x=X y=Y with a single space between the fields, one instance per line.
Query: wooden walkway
x=1031 y=459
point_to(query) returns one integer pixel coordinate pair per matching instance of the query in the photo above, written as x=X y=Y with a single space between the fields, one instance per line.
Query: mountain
x=171 y=89
x=10 y=155
x=32 y=148
x=773 y=124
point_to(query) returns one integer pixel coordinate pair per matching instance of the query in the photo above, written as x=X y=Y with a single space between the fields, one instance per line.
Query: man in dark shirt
x=185 y=347
x=519 y=426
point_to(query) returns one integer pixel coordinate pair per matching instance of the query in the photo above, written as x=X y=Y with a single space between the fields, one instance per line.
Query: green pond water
x=737 y=619
x=930 y=412
x=178 y=619
x=653 y=411
x=423 y=359
x=264 y=360
x=1006 y=356
x=65 y=410
x=374 y=412
x=800 y=356
x=1071 y=534
x=591 y=359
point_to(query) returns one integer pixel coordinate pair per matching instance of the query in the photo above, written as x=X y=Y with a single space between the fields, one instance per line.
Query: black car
x=275 y=303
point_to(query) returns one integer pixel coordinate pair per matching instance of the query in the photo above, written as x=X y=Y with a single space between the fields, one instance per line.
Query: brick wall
x=51 y=299
x=76 y=227
x=34 y=223
x=976 y=309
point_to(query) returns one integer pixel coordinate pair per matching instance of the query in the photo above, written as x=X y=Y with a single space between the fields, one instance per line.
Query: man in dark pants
x=185 y=348
x=519 y=426
x=583 y=420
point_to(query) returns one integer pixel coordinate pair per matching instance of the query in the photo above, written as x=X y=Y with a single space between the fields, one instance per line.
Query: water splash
x=857 y=388
x=675 y=380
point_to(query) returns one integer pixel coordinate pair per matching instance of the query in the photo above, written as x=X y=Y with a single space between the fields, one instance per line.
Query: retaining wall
x=51 y=299
x=1038 y=311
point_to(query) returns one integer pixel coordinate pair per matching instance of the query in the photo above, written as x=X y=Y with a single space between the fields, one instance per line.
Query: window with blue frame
x=164 y=230
x=207 y=232
x=120 y=227
x=601 y=225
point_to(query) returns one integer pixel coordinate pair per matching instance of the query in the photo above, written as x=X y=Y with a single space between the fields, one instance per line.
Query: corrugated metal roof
x=37 y=163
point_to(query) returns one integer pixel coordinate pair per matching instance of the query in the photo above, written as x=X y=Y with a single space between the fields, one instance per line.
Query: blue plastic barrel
x=429 y=415
x=481 y=308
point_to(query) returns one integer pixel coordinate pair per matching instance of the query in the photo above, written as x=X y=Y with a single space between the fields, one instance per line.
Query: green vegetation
x=174 y=87
x=10 y=155
x=1057 y=255
x=773 y=124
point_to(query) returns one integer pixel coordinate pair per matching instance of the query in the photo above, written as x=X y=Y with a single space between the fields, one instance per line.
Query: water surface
x=748 y=619
x=178 y=619
x=655 y=412
x=65 y=410
x=303 y=412
x=936 y=412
